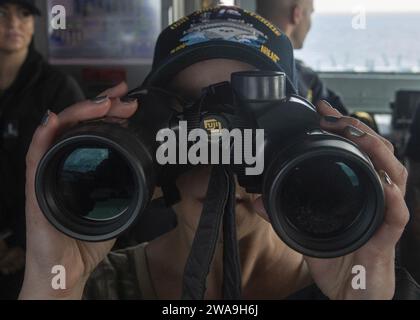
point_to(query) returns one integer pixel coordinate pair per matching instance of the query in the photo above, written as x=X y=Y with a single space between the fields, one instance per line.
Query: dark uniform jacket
x=38 y=87
x=312 y=88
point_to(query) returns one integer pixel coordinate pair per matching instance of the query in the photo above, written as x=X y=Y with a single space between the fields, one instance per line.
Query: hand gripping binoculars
x=322 y=193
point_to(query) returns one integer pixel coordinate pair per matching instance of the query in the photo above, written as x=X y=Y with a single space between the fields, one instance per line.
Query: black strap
x=232 y=279
x=220 y=199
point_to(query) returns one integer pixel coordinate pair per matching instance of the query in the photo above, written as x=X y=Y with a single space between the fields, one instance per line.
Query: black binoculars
x=322 y=193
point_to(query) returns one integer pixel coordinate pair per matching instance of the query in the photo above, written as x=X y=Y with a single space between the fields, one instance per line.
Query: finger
x=339 y=124
x=324 y=108
x=101 y=105
x=380 y=150
x=84 y=111
x=396 y=215
x=54 y=124
x=106 y=104
x=381 y=157
x=260 y=209
x=117 y=91
x=122 y=109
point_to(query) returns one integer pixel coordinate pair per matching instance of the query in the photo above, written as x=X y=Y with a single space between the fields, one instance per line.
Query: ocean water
x=390 y=43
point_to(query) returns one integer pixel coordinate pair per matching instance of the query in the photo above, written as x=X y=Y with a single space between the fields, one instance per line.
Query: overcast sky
x=326 y=6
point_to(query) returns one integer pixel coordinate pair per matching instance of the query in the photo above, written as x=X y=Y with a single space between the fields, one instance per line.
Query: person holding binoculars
x=299 y=244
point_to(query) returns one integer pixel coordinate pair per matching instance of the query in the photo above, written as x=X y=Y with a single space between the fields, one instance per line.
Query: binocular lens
x=323 y=196
x=95 y=183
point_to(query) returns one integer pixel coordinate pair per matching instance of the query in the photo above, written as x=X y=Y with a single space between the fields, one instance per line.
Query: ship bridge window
x=364 y=36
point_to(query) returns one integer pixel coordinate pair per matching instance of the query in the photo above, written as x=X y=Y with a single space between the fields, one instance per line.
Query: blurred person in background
x=293 y=17
x=28 y=88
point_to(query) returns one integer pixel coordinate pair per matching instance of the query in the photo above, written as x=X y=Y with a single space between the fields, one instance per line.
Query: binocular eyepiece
x=322 y=193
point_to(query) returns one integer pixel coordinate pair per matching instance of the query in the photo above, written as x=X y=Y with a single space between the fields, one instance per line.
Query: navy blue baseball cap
x=222 y=32
x=28 y=4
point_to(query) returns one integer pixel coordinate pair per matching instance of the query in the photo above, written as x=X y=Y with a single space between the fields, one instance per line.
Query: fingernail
x=355 y=132
x=99 y=100
x=332 y=119
x=385 y=177
x=46 y=118
x=128 y=100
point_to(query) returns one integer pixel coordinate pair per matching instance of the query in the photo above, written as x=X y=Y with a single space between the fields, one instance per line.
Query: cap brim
x=36 y=12
x=169 y=68
x=33 y=9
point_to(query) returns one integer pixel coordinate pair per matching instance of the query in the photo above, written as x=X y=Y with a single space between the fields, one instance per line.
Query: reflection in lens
x=95 y=183
x=323 y=196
